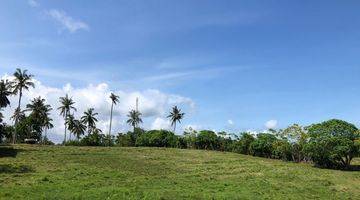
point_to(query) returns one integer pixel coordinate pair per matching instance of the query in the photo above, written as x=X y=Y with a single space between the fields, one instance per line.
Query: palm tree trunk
x=16 y=120
x=65 y=127
x=174 y=127
x=111 y=113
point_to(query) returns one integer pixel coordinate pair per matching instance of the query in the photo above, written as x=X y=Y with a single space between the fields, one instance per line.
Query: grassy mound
x=55 y=172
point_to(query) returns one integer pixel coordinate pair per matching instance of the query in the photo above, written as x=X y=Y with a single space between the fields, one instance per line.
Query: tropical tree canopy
x=175 y=116
x=89 y=118
x=134 y=118
x=5 y=92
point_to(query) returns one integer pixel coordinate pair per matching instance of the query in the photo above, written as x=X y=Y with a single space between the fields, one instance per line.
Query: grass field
x=56 y=172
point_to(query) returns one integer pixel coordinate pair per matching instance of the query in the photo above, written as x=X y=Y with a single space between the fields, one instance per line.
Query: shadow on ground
x=6 y=151
x=15 y=169
x=353 y=168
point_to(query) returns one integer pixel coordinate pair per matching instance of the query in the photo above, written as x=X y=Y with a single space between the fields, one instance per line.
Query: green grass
x=55 y=172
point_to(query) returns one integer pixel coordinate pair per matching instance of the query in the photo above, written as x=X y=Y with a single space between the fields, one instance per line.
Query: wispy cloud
x=33 y=3
x=66 y=21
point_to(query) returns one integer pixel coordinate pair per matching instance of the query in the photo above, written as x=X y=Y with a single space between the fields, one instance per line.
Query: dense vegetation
x=330 y=144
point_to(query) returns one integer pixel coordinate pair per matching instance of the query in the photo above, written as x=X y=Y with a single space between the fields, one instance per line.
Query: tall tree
x=175 y=116
x=39 y=113
x=5 y=92
x=89 y=119
x=70 y=123
x=134 y=118
x=47 y=125
x=23 y=81
x=114 y=100
x=65 y=108
x=78 y=128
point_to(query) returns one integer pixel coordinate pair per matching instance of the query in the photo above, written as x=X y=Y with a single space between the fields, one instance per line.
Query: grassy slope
x=117 y=173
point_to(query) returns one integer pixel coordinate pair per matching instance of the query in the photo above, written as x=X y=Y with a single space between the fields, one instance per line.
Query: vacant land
x=55 y=172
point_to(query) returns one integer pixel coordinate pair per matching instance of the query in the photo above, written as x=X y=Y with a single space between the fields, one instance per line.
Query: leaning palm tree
x=134 y=118
x=23 y=81
x=4 y=93
x=89 y=119
x=175 y=116
x=114 y=100
x=78 y=128
x=65 y=108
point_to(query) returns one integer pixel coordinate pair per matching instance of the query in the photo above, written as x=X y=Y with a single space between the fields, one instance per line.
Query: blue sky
x=244 y=61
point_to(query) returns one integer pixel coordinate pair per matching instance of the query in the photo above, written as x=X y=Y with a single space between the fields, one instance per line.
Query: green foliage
x=157 y=138
x=207 y=140
x=243 y=145
x=263 y=145
x=333 y=144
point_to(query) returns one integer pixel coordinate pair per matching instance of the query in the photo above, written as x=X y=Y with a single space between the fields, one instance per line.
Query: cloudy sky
x=231 y=65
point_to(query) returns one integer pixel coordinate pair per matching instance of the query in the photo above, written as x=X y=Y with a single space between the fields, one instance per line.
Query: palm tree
x=40 y=112
x=65 y=108
x=175 y=116
x=22 y=81
x=89 y=119
x=70 y=123
x=47 y=125
x=134 y=118
x=78 y=128
x=18 y=115
x=114 y=100
x=4 y=93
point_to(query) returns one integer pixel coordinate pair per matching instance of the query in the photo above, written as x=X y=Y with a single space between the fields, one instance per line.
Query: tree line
x=330 y=144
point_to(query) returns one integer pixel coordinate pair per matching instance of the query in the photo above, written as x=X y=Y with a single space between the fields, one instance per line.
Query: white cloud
x=33 y=3
x=160 y=123
x=154 y=105
x=67 y=21
x=271 y=124
x=230 y=122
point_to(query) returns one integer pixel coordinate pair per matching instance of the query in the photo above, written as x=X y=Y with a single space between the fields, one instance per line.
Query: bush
x=207 y=140
x=263 y=145
x=282 y=149
x=157 y=138
x=243 y=145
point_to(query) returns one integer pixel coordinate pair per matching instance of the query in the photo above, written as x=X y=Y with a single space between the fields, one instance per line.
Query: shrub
x=157 y=138
x=243 y=145
x=282 y=149
x=207 y=140
x=263 y=145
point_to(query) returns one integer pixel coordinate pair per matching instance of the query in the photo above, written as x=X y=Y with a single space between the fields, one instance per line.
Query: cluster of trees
x=33 y=122
x=330 y=144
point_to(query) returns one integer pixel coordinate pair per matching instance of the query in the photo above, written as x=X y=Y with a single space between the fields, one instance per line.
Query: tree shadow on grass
x=9 y=151
x=9 y=169
x=353 y=168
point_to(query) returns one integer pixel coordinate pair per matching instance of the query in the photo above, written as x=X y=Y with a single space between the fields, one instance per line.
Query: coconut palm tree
x=89 y=119
x=5 y=92
x=134 y=118
x=114 y=100
x=78 y=128
x=70 y=123
x=23 y=81
x=18 y=115
x=65 y=108
x=47 y=125
x=39 y=112
x=175 y=116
